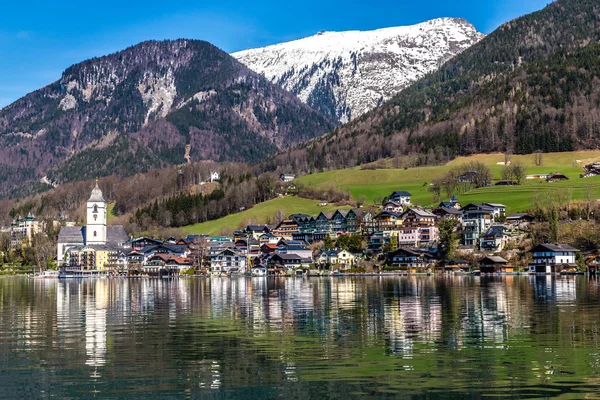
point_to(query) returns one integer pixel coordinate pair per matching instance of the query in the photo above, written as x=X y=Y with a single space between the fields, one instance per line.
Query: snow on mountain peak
x=345 y=74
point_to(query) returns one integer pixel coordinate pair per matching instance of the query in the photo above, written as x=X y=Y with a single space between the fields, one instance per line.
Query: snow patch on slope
x=346 y=74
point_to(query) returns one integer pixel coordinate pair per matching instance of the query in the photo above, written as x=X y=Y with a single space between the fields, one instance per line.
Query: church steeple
x=96 y=218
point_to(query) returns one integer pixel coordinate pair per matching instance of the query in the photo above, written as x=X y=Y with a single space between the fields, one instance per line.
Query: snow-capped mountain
x=345 y=74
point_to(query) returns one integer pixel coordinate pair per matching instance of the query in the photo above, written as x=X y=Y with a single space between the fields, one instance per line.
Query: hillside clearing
x=259 y=214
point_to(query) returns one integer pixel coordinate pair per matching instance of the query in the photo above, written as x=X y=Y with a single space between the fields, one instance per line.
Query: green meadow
x=373 y=184
x=259 y=214
x=379 y=183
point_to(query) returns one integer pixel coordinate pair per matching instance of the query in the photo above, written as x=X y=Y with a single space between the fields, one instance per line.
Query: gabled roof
x=411 y=252
x=553 y=248
x=71 y=234
x=517 y=216
x=420 y=212
x=481 y=207
x=448 y=210
x=495 y=205
x=495 y=260
x=388 y=214
x=495 y=231
x=401 y=193
x=256 y=228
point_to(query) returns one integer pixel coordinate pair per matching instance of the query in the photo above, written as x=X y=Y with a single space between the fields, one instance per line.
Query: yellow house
x=102 y=257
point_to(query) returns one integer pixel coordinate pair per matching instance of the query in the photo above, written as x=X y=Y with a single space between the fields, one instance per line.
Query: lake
x=335 y=337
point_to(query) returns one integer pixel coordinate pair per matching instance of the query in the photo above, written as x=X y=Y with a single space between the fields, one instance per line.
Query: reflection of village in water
x=98 y=323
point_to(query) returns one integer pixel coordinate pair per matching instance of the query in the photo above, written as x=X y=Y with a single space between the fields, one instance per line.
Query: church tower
x=95 y=230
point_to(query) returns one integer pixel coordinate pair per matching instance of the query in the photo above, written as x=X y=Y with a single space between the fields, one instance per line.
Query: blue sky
x=39 y=39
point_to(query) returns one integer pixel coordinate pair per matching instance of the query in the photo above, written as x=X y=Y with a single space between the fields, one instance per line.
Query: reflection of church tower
x=95 y=231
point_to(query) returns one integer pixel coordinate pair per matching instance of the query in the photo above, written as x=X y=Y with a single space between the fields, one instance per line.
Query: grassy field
x=380 y=183
x=109 y=214
x=259 y=214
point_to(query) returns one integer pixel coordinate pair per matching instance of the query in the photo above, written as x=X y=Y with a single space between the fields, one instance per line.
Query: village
x=398 y=237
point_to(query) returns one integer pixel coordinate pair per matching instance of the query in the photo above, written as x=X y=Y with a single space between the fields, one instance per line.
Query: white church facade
x=95 y=235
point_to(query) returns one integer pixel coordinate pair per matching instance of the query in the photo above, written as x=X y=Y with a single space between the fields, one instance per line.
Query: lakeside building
x=476 y=219
x=553 y=258
x=24 y=229
x=95 y=236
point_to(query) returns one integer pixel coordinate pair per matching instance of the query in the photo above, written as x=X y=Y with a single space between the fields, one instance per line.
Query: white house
x=401 y=197
x=228 y=260
x=214 y=176
x=287 y=177
x=553 y=258
x=499 y=209
x=342 y=259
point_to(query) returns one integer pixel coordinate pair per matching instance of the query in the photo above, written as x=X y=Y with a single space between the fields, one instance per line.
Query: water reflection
x=520 y=336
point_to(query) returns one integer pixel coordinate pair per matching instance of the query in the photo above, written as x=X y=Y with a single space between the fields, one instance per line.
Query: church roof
x=96 y=194
x=115 y=235
x=71 y=234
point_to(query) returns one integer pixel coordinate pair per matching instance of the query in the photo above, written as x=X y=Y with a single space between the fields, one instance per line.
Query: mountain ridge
x=345 y=74
x=529 y=85
x=149 y=101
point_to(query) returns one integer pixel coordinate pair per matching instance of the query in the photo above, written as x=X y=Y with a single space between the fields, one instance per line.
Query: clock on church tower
x=95 y=230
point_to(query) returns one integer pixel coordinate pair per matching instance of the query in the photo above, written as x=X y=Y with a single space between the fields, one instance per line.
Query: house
x=553 y=258
x=306 y=223
x=393 y=206
x=387 y=221
x=336 y=258
x=286 y=178
x=214 y=177
x=537 y=176
x=268 y=248
x=292 y=247
x=289 y=261
x=452 y=203
x=476 y=219
x=140 y=243
x=499 y=209
x=592 y=169
x=268 y=238
x=24 y=228
x=166 y=262
x=323 y=222
x=494 y=264
x=378 y=241
x=519 y=218
x=447 y=213
x=286 y=228
x=418 y=228
x=176 y=250
x=256 y=231
x=401 y=197
x=409 y=258
x=494 y=239
x=453 y=266
x=228 y=260
x=556 y=177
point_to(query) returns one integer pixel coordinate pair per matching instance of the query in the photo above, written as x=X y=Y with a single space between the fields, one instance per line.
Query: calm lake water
x=420 y=337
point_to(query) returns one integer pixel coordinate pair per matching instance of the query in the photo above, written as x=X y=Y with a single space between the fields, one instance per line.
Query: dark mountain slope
x=532 y=84
x=139 y=108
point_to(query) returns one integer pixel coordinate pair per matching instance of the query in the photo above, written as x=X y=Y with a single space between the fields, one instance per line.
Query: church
x=95 y=235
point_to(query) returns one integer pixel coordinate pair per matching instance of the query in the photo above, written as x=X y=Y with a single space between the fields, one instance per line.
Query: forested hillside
x=533 y=84
x=139 y=108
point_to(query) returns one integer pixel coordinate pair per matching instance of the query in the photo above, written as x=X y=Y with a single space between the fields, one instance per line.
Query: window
x=95 y=234
x=95 y=208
